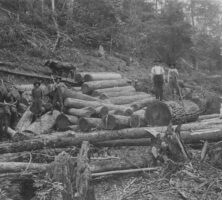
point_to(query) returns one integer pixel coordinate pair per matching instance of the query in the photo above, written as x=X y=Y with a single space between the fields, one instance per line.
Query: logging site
x=111 y=100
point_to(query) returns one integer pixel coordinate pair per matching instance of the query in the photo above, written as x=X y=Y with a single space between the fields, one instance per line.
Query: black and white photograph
x=110 y=99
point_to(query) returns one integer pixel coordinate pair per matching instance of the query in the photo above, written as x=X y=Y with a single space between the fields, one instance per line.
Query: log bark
x=113 y=89
x=129 y=99
x=44 y=124
x=98 y=76
x=83 y=112
x=138 y=119
x=161 y=113
x=108 y=95
x=89 y=87
x=83 y=173
x=25 y=121
x=112 y=122
x=64 y=121
x=88 y=124
x=67 y=93
x=75 y=103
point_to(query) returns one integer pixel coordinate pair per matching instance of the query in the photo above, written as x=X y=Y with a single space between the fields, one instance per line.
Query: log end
x=109 y=122
x=85 y=89
x=62 y=122
x=158 y=114
x=103 y=111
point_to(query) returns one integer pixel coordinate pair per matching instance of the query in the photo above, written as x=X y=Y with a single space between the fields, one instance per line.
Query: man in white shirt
x=158 y=74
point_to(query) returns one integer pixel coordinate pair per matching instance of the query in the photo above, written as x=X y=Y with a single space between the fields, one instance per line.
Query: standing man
x=58 y=94
x=173 y=76
x=37 y=96
x=158 y=76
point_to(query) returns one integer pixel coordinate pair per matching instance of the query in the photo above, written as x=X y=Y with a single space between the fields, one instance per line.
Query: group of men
x=54 y=94
x=159 y=78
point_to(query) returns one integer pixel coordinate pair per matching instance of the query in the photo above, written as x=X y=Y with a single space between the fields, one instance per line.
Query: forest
x=174 y=31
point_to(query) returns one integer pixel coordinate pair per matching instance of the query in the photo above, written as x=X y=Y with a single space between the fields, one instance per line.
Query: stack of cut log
x=105 y=102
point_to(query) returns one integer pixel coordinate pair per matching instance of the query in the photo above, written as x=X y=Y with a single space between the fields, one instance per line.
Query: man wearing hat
x=37 y=96
x=158 y=74
x=58 y=94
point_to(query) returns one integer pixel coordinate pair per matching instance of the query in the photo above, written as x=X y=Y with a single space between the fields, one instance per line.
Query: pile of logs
x=107 y=101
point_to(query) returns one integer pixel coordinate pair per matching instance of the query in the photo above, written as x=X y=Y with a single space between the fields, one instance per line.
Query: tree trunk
x=44 y=124
x=113 y=89
x=45 y=155
x=138 y=119
x=83 y=112
x=67 y=93
x=75 y=103
x=125 y=142
x=140 y=104
x=63 y=121
x=89 y=87
x=83 y=173
x=108 y=95
x=129 y=99
x=99 y=76
x=87 y=124
x=161 y=113
x=112 y=122
x=25 y=121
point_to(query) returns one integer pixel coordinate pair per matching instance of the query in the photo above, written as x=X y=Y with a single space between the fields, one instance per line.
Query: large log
x=161 y=113
x=113 y=89
x=89 y=87
x=112 y=122
x=50 y=141
x=79 y=77
x=88 y=124
x=98 y=76
x=129 y=99
x=68 y=93
x=25 y=121
x=107 y=95
x=101 y=111
x=44 y=124
x=138 y=119
x=75 y=103
x=83 y=112
x=64 y=121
